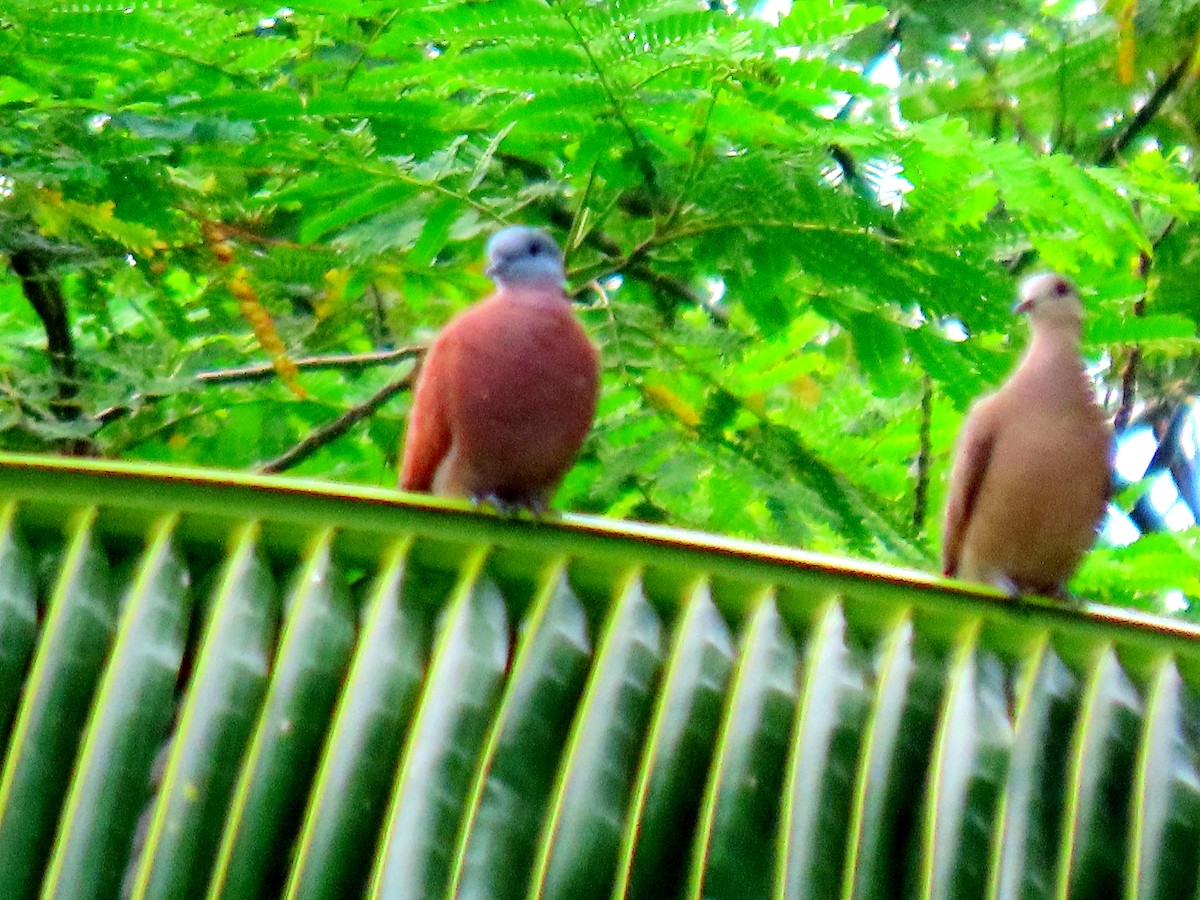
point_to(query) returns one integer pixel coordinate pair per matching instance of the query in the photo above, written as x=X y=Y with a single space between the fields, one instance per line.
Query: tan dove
x=507 y=392
x=1032 y=469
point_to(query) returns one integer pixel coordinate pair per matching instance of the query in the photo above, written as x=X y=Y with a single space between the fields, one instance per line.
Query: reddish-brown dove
x=507 y=392
x=1032 y=469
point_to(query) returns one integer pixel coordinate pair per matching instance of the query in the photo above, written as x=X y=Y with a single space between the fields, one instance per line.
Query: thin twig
x=240 y=80
x=924 y=456
x=581 y=209
x=263 y=371
x=606 y=304
x=696 y=164
x=699 y=229
x=345 y=361
x=1130 y=371
x=670 y=67
x=333 y=430
x=1129 y=379
x=379 y=321
x=631 y=265
x=617 y=262
x=666 y=285
x=1060 y=127
x=241 y=232
x=1000 y=99
x=366 y=47
x=887 y=45
x=636 y=140
x=1146 y=114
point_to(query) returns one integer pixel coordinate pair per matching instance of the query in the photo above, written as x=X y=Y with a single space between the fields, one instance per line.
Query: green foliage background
x=777 y=358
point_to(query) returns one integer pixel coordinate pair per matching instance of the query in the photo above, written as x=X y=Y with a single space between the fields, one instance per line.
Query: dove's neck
x=1052 y=367
x=543 y=294
x=1054 y=337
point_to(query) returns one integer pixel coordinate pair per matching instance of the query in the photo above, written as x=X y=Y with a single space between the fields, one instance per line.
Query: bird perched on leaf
x=1031 y=474
x=507 y=392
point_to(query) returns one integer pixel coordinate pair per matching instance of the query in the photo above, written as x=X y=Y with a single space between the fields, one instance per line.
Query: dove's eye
x=1061 y=288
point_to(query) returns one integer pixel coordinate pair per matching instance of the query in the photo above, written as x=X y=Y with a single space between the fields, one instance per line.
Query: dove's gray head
x=1049 y=297
x=524 y=256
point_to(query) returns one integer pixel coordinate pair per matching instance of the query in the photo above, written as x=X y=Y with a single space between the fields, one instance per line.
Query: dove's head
x=526 y=257
x=1050 y=298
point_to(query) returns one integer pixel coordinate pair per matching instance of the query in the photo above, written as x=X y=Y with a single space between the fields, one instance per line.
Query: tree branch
x=384 y=25
x=333 y=430
x=1000 y=98
x=345 y=361
x=616 y=261
x=924 y=456
x=636 y=140
x=265 y=371
x=1129 y=379
x=887 y=45
x=44 y=293
x=1146 y=114
x=696 y=164
x=1129 y=372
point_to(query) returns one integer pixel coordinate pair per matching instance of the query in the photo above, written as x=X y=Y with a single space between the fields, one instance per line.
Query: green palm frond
x=357 y=691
